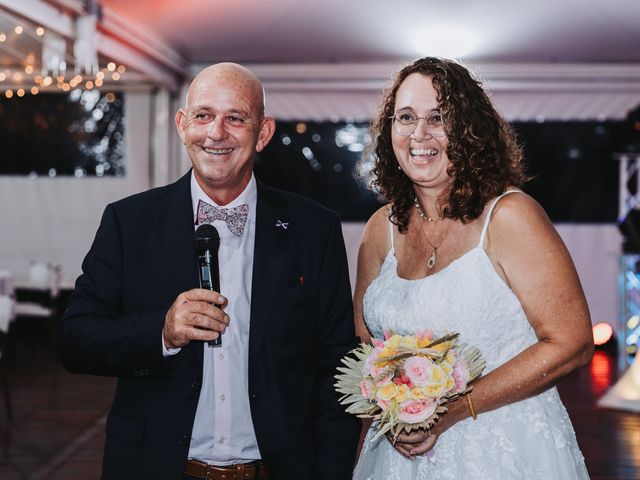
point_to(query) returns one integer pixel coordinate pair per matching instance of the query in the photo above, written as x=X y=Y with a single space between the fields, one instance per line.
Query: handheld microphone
x=207 y=242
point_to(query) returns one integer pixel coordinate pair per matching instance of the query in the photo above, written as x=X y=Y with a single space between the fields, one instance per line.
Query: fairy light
x=17 y=77
x=46 y=81
x=115 y=76
x=100 y=75
x=18 y=30
x=99 y=82
x=88 y=85
x=35 y=90
x=122 y=69
x=111 y=66
x=3 y=76
x=3 y=37
x=28 y=69
x=38 y=79
x=66 y=87
x=8 y=93
x=20 y=92
x=40 y=31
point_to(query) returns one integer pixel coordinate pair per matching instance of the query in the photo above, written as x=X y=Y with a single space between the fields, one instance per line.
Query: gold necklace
x=421 y=213
x=431 y=261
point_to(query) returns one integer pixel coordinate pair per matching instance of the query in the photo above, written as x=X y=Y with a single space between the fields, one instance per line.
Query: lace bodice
x=531 y=439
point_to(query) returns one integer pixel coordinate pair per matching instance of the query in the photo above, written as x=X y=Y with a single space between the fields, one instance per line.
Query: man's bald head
x=230 y=73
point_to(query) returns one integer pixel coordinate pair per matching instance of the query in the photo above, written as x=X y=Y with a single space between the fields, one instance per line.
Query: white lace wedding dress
x=531 y=439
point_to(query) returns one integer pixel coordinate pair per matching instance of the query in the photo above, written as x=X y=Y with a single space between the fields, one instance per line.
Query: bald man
x=261 y=405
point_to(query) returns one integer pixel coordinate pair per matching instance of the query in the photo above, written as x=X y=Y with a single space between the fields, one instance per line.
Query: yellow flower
x=433 y=390
x=450 y=383
x=447 y=368
x=387 y=391
x=417 y=393
x=402 y=394
x=437 y=375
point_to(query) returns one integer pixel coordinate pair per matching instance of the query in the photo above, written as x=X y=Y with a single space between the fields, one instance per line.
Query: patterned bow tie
x=235 y=217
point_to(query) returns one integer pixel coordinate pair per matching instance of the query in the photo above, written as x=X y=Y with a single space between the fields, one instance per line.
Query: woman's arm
x=374 y=246
x=530 y=256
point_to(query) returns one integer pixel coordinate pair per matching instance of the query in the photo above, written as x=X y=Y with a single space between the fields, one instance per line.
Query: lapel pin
x=282 y=224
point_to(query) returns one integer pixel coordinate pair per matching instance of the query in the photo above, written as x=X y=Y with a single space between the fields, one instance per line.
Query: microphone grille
x=206 y=238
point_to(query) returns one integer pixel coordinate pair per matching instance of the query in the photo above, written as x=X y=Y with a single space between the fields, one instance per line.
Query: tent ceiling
x=290 y=31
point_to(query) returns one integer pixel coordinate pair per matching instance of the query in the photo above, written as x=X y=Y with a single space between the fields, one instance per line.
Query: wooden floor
x=58 y=427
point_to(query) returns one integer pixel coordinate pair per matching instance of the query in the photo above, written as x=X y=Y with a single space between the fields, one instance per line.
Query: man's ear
x=267 y=130
x=181 y=123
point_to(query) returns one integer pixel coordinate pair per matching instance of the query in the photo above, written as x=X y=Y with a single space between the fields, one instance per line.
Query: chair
x=6 y=315
x=37 y=300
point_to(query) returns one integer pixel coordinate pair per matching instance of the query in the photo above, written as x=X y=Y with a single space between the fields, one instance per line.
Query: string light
x=28 y=73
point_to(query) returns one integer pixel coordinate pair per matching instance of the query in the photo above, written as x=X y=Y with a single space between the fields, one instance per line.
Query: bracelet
x=471 y=409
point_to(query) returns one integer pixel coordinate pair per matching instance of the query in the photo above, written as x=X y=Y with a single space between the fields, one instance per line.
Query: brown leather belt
x=241 y=471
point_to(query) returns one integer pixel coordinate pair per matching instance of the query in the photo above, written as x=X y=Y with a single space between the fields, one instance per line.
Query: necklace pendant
x=431 y=261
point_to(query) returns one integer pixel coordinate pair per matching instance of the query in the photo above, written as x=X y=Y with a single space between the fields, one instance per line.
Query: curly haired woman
x=460 y=248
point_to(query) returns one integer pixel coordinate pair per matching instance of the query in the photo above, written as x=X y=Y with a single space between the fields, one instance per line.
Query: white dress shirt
x=223 y=431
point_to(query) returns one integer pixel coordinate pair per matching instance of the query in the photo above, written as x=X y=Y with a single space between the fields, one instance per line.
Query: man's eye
x=202 y=116
x=235 y=120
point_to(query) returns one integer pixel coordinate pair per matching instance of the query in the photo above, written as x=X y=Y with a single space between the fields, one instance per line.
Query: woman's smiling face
x=422 y=157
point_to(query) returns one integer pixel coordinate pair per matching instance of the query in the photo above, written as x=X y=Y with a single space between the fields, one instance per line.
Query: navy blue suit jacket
x=141 y=259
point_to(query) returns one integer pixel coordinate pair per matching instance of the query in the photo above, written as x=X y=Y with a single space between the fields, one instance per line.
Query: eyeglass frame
x=395 y=118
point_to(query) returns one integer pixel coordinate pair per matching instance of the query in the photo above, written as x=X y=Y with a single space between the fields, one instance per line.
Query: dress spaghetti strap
x=488 y=217
x=391 y=237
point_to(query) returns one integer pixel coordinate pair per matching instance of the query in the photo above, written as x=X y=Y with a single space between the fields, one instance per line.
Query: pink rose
x=418 y=370
x=385 y=380
x=460 y=375
x=370 y=367
x=416 y=411
x=366 y=388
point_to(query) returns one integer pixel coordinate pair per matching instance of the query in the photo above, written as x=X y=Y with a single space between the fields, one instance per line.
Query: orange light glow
x=602 y=333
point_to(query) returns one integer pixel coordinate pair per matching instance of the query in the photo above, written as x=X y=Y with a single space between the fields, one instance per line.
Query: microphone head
x=206 y=238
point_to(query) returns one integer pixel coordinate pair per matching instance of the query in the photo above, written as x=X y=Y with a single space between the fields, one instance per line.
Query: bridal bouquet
x=405 y=381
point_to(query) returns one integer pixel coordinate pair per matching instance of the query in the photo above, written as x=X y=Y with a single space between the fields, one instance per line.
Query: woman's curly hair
x=485 y=157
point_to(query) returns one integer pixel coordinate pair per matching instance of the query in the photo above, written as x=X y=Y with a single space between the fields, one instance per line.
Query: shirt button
x=222 y=397
x=222 y=439
x=221 y=356
x=183 y=440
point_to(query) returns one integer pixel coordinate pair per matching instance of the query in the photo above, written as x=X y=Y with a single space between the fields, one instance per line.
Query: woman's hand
x=415 y=443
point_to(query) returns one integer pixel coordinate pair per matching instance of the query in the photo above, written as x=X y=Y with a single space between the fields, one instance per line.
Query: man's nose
x=217 y=128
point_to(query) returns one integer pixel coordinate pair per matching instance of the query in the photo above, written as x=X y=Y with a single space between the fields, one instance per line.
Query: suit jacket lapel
x=268 y=257
x=174 y=221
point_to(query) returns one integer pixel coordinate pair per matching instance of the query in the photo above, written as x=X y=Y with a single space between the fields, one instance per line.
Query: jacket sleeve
x=94 y=336
x=337 y=431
